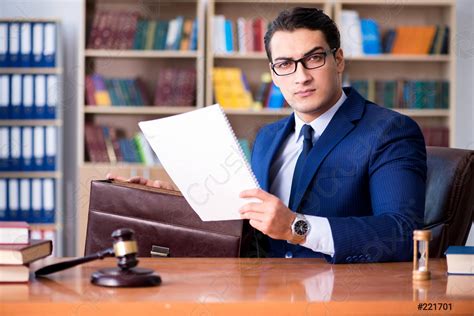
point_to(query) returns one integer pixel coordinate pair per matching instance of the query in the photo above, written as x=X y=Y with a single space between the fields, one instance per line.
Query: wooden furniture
x=246 y=123
x=214 y=286
x=42 y=230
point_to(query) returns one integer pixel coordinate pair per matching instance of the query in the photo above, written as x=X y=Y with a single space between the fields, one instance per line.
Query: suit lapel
x=278 y=137
x=341 y=124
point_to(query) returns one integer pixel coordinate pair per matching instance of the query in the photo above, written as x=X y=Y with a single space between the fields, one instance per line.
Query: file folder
x=25 y=44
x=36 y=201
x=4 y=96
x=15 y=148
x=49 y=51
x=40 y=96
x=14 y=45
x=51 y=96
x=27 y=148
x=38 y=148
x=27 y=97
x=4 y=148
x=48 y=201
x=37 y=44
x=13 y=200
x=4 y=44
x=15 y=99
x=51 y=148
x=25 y=200
x=3 y=199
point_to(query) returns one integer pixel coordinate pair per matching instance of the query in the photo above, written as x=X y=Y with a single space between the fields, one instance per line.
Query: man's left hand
x=270 y=216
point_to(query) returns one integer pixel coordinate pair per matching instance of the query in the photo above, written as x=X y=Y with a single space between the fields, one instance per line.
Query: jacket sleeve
x=397 y=180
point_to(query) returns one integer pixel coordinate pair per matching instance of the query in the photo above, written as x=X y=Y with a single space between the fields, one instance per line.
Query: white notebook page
x=200 y=152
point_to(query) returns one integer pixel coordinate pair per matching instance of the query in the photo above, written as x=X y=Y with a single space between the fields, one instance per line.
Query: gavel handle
x=69 y=264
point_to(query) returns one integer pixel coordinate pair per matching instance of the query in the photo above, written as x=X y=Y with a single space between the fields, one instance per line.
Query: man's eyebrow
x=305 y=54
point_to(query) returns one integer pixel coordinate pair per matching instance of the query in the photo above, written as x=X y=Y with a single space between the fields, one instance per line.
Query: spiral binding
x=236 y=141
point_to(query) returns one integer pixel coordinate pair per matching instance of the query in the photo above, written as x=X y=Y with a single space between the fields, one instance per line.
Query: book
x=14 y=273
x=460 y=286
x=22 y=254
x=14 y=233
x=202 y=155
x=460 y=259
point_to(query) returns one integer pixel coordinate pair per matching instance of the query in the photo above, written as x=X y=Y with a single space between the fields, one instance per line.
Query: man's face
x=310 y=92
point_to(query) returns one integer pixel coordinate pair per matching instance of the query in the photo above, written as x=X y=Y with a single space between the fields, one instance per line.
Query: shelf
x=33 y=71
x=424 y=112
x=111 y=53
x=31 y=122
x=237 y=55
x=401 y=58
x=271 y=1
x=30 y=174
x=137 y=110
x=262 y=112
x=397 y=3
x=139 y=166
x=41 y=226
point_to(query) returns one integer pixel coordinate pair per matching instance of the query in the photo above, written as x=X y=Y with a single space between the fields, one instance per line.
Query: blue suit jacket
x=366 y=174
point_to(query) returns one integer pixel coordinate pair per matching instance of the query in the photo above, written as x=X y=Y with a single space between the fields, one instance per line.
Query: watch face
x=301 y=228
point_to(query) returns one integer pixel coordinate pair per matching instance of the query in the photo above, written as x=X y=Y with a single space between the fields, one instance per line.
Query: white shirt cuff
x=319 y=238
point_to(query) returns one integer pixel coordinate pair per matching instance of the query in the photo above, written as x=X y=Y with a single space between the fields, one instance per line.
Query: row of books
x=174 y=87
x=231 y=89
x=126 y=30
x=109 y=144
x=28 y=96
x=114 y=91
x=244 y=35
x=269 y=95
x=28 y=148
x=364 y=37
x=436 y=135
x=19 y=248
x=28 y=44
x=405 y=94
x=32 y=200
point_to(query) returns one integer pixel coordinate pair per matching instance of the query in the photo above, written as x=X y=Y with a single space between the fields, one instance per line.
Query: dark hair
x=307 y=18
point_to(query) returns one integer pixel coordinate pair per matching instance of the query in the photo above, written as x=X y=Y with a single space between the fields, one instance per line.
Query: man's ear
x=340 y=64
x=274 y=77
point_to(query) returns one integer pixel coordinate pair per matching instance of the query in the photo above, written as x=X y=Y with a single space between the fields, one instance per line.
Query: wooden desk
x=244 y=287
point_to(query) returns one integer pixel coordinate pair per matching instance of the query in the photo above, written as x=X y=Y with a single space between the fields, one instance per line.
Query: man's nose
x=302 y=75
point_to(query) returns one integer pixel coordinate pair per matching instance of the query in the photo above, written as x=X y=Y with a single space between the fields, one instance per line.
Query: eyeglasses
x=312 y=61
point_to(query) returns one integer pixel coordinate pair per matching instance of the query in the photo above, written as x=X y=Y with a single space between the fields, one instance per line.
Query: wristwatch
x=300 y=229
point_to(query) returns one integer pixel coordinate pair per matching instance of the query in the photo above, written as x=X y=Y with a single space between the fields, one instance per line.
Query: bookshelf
x=246 y=122
x=391 y=15
x=132 y=62
x=34 y=125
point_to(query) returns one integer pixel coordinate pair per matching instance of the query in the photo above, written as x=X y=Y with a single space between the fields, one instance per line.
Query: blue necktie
x=307 y=132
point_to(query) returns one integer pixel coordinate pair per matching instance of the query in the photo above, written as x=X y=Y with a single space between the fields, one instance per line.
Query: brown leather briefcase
x=163 y=221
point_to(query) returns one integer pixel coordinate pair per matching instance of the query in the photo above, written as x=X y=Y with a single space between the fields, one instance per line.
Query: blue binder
x=15 y=107
x=51 y=96
x=25 y=44
x=4 y=148
x=38 y=148
x=25 y=200
x=36 y=201
x=27 y=97
x=14 y=44
x=49 y=50
x=13 y=200
x=40 y=97
x=49 y=200
x=4 y=41
x=51 y=142
x=4 y=96
x=37 y=44
x=27 y=148
x=15 y=149
x=3 y=199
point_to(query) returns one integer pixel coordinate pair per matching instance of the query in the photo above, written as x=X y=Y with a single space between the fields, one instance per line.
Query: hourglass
x=421 y=242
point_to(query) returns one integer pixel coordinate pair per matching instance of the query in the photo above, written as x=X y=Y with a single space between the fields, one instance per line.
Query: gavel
x=126 y=275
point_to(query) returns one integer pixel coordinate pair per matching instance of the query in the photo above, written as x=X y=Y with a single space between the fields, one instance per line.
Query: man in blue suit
x=341 y=178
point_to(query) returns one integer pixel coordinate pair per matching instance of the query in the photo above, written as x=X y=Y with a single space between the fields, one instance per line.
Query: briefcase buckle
x=159 y=251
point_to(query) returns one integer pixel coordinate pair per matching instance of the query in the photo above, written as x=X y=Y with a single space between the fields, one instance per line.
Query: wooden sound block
x=135 y=277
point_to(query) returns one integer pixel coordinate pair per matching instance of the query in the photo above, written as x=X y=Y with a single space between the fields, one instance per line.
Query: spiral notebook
x=200 y=152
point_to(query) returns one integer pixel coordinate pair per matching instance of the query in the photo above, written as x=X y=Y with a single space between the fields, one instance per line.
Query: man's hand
x=141 y=180
x=270 y=216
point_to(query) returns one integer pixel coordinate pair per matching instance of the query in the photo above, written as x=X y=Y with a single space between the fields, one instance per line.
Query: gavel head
x=125 y=248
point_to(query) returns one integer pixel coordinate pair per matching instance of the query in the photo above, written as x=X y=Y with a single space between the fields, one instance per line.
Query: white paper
x=199 y=151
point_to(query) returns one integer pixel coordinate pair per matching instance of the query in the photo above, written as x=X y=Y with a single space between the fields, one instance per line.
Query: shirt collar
x=319 y=124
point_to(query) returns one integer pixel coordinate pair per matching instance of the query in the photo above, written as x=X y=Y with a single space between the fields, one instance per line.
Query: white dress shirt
x=319 y=238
